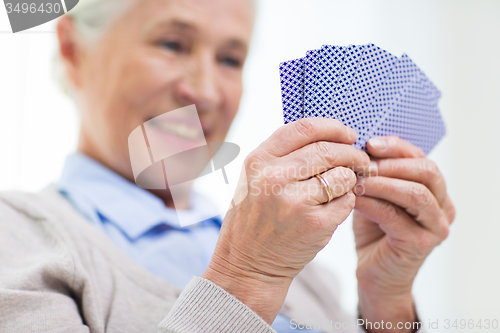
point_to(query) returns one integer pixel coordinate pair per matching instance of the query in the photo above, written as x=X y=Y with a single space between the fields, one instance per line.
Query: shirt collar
x=133 y=209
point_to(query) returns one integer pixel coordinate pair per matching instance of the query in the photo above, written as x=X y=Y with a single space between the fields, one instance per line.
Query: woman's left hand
x=402 y=213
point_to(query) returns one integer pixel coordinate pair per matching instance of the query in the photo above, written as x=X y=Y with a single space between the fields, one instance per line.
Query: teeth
x=181 y=130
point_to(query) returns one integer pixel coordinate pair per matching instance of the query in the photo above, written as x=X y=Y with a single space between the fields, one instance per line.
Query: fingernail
x=373 y=168
x=352 y=133
x=378 y=143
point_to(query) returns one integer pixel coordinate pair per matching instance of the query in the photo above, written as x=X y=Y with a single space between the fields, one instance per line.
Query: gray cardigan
x=59 y=273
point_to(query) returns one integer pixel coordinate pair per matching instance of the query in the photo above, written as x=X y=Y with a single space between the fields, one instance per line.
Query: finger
x=318 y=157
x=366 y=231
x=398 y=224
x=337 y=211
x=340 y=181
x=392 y=147
x=391 y=219
x=302 y=132
x=414 y=198
x=419 y=170
x=449 y=210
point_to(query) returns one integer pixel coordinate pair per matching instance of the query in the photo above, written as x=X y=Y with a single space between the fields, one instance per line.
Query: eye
x=231 y=62
x=174 y=46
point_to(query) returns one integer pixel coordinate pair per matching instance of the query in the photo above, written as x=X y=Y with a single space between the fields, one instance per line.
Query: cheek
x=146 y=76
x=232 y=96
x=233 y=90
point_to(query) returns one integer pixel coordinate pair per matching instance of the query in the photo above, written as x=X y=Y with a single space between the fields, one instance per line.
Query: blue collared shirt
x=141 y=225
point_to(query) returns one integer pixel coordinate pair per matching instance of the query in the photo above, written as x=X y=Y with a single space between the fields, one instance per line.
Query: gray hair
x=91 y=18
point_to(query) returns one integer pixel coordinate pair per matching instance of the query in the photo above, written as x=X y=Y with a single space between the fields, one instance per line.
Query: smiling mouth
x=181 y=130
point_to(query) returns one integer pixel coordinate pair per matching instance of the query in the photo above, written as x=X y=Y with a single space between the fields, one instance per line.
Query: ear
x=69 y=49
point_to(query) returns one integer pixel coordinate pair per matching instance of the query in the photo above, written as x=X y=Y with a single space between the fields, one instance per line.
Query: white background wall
x=454 y=41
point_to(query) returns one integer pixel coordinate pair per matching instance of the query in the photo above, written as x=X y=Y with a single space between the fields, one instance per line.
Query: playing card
x=292 y=89
x=355 y=111
x=354 y=98
x=384 y=102
x=349 y=69
x=310 y=75
x=365 y=88
x=329 y=67
x=415 y=116
x=373 y=70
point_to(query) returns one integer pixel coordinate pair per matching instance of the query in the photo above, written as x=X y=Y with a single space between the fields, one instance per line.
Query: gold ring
x=327 y=187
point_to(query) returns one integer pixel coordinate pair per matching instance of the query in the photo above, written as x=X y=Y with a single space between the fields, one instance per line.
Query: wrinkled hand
x=268 y=238
x=403 y=214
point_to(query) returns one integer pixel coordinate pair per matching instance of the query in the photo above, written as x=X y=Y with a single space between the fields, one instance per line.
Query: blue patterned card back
x=292 y=89
x=329 y=66
x=349 y=69
x=415 y=116
x=310 y=76
x=358 y=113
x=365 y=88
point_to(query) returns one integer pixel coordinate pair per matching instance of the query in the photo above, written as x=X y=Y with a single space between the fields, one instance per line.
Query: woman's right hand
x=268 y=238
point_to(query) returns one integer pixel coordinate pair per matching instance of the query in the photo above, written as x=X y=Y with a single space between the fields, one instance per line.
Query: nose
x=200 y=84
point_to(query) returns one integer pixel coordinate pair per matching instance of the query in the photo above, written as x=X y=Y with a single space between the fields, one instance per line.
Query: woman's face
x=159 y=56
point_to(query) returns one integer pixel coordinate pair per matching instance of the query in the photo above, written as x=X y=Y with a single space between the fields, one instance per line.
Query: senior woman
x=98 y=253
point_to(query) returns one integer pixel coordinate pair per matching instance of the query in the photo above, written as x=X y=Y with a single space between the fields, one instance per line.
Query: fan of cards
x=365 y=88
